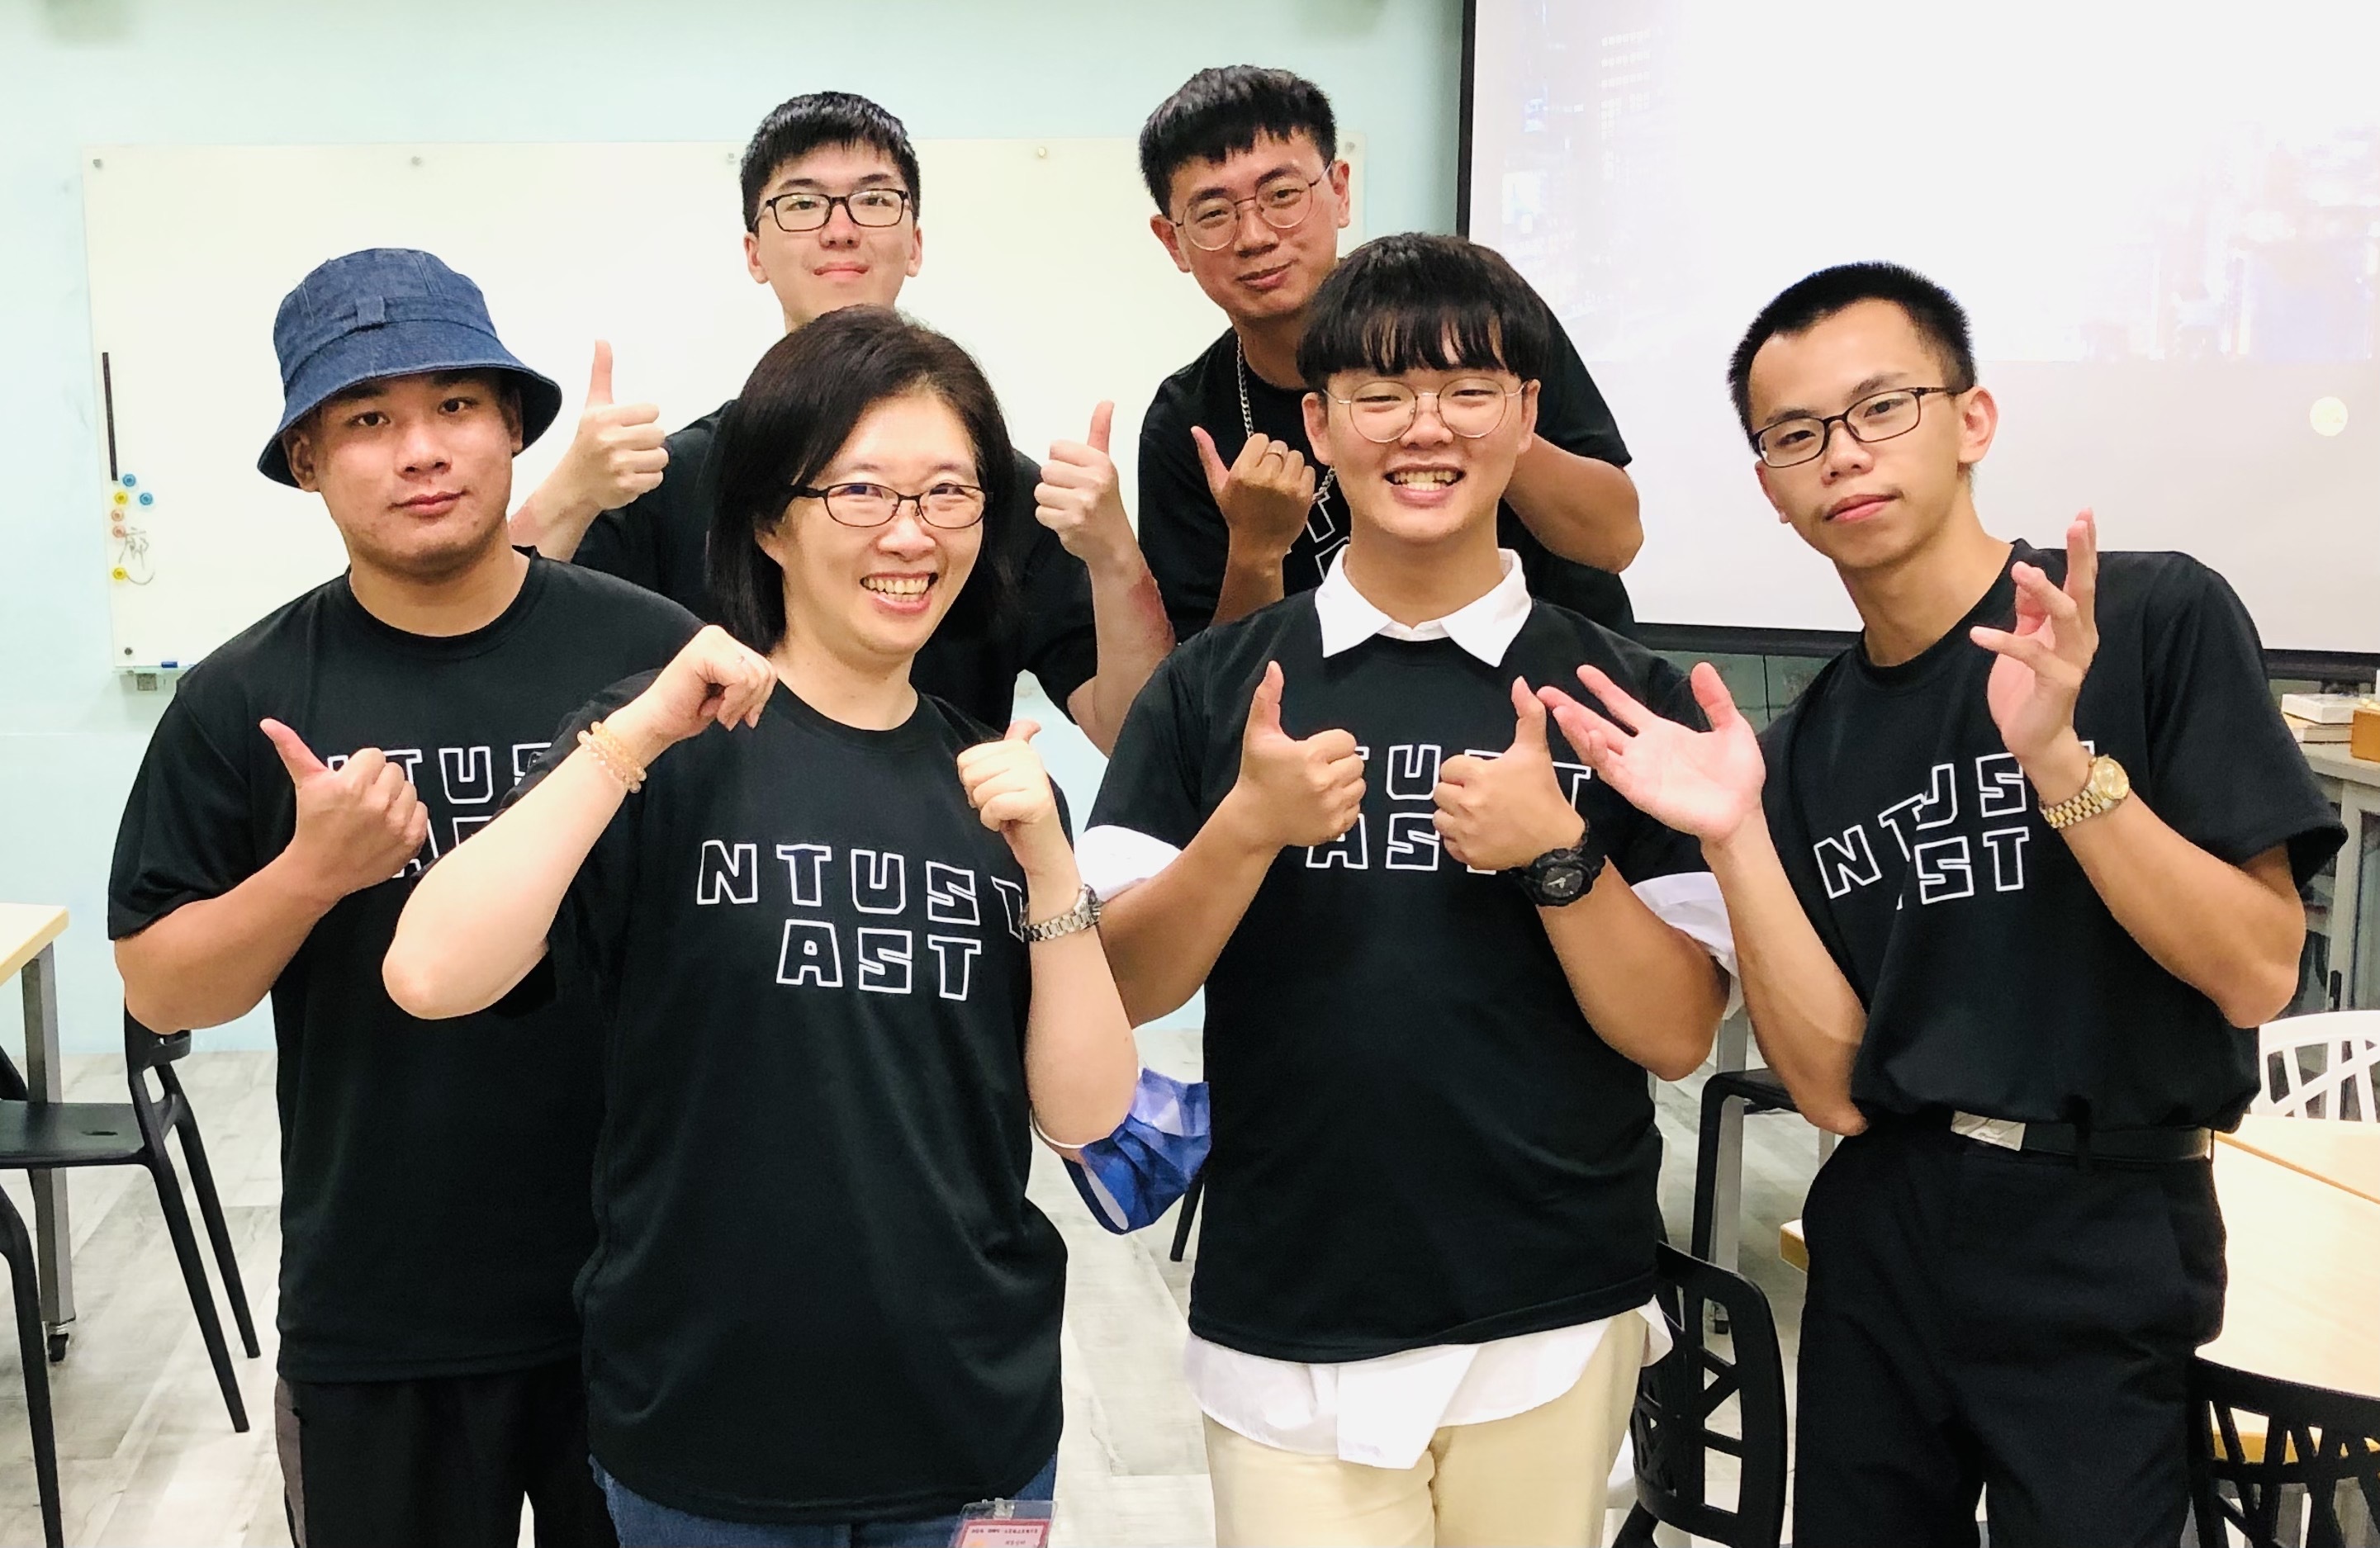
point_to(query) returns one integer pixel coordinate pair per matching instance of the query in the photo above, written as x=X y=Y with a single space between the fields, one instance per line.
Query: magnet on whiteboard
x=122 y=498
x=120 y=573
x=2328 y=415
x=129 y=481
x=147 y=498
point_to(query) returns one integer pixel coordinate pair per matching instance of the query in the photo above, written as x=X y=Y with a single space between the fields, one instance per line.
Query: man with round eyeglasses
x=1438 y=963
x=1236 y=512
x=2014 y=880
x=831 y=197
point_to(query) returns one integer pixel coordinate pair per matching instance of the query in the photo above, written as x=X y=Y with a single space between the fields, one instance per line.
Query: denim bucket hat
x=383 y=312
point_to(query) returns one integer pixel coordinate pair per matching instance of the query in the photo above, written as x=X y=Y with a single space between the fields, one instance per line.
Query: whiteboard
x=1038 y=259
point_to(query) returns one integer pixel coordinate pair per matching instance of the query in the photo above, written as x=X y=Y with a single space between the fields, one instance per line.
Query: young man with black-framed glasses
x=1235 y=510
x=831 y=203
x=2015 y=881
x=1438 y=963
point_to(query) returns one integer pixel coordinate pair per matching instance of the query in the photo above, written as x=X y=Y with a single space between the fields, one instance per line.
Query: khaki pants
x=1536 y=1478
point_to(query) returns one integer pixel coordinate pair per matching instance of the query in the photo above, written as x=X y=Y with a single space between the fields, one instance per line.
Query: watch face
x=1561 y=881
x=2108 y=781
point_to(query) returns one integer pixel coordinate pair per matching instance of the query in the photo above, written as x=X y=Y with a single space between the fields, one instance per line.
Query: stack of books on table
x=2316 y=717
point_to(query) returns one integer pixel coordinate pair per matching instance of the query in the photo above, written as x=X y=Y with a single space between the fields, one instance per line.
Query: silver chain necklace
x=1249 y=422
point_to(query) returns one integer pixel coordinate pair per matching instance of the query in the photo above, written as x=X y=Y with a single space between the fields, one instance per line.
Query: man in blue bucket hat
x=434 y=1205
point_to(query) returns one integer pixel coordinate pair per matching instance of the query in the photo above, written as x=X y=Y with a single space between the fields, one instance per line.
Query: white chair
x=2343 y=1049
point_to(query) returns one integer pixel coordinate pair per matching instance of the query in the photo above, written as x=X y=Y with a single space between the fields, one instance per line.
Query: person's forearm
x=1163 y=936
x=1128 y=613
x=1808 y=1020
x=1250 y=581
x=1648 y=990
x=1581 y=508
x=552 y=523
x=477 y=920
x=212 y=960
x=1080 y=1062
x=2232 y=932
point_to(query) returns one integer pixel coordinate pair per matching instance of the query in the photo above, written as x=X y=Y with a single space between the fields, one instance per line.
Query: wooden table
x=2304 y=1257
x=27 y=936
x=2343 y=1155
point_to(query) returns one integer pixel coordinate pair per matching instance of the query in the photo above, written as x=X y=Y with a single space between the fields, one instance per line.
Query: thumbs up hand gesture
x=1009 y=787
x=1265 y=494
x=1080 y=498
x=1495 y=814
x=1293 y=792
x=357 y=825
x=617 y=453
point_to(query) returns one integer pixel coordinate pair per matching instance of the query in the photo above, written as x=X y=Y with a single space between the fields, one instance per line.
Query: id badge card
x=1003 y=1524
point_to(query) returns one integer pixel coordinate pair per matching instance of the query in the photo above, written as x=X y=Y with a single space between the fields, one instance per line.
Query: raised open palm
x=1701 y=783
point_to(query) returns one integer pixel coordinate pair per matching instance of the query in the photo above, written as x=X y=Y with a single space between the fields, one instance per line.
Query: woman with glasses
x=850 y=967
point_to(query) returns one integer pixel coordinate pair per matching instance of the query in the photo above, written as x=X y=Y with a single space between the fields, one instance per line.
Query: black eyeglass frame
x=769 y=207
x=826 y=497
x=1304 y=209
x=1827 y=422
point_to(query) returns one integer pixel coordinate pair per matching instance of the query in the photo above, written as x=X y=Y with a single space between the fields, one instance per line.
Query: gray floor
x=147 y=1455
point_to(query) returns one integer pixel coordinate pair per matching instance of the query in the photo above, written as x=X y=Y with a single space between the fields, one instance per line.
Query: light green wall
x=79 y=72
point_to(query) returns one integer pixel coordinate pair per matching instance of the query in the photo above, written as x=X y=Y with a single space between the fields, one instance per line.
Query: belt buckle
x=2007 y=1133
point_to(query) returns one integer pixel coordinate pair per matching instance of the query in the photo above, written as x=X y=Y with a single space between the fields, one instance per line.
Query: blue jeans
x=643 y=1523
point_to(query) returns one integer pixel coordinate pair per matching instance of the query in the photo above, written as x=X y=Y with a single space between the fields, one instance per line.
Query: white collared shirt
x=1383 y=1412
x=1483 y=628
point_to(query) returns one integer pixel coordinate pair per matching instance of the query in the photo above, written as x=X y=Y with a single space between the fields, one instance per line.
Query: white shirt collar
x=1485 y=627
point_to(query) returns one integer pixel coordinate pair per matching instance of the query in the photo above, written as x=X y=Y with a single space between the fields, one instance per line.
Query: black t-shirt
x=433 y=1173
x=818 y=1292
x=1185 y=540
x=658 y=541
x=1995 y=979
x=1418 y=1138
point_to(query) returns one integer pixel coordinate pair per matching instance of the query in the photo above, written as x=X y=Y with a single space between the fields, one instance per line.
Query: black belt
x=2065 y=1139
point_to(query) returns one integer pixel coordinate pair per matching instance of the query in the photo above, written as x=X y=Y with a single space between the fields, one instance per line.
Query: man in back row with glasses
x=831 y=201
x=1235 y=510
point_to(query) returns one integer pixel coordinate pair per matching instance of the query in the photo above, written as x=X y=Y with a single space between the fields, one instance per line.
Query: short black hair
x=1802 y=306
x=800 y=124
x=1419 y=302
x=1219 y=111
x=799 y=408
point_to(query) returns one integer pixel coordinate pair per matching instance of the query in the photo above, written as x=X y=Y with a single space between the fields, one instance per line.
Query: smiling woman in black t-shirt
x=848 y=964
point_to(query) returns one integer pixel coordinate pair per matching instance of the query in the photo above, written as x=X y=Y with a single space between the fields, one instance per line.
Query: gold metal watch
x=2104 y=790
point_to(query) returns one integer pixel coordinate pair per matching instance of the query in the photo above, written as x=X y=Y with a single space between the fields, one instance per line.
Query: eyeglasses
x=1877 y=416
x=1471 y=407
x=1283 y=199
x=948 y=505
x=807 y=211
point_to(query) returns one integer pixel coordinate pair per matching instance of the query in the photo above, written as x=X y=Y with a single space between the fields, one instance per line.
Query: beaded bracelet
x=612 y=755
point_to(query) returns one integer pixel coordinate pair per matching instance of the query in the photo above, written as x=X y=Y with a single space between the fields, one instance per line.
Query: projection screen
x=2166 y=232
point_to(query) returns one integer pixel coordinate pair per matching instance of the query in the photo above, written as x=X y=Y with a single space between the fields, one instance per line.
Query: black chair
x=1678 y=1396
x=1760 y=1092
x=46 y=1136
x=16 y=1246
x=2296 y=1478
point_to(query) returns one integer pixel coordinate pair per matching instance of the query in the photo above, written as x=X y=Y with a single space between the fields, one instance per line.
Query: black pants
x=1984 y=1321
x=446 y=1460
